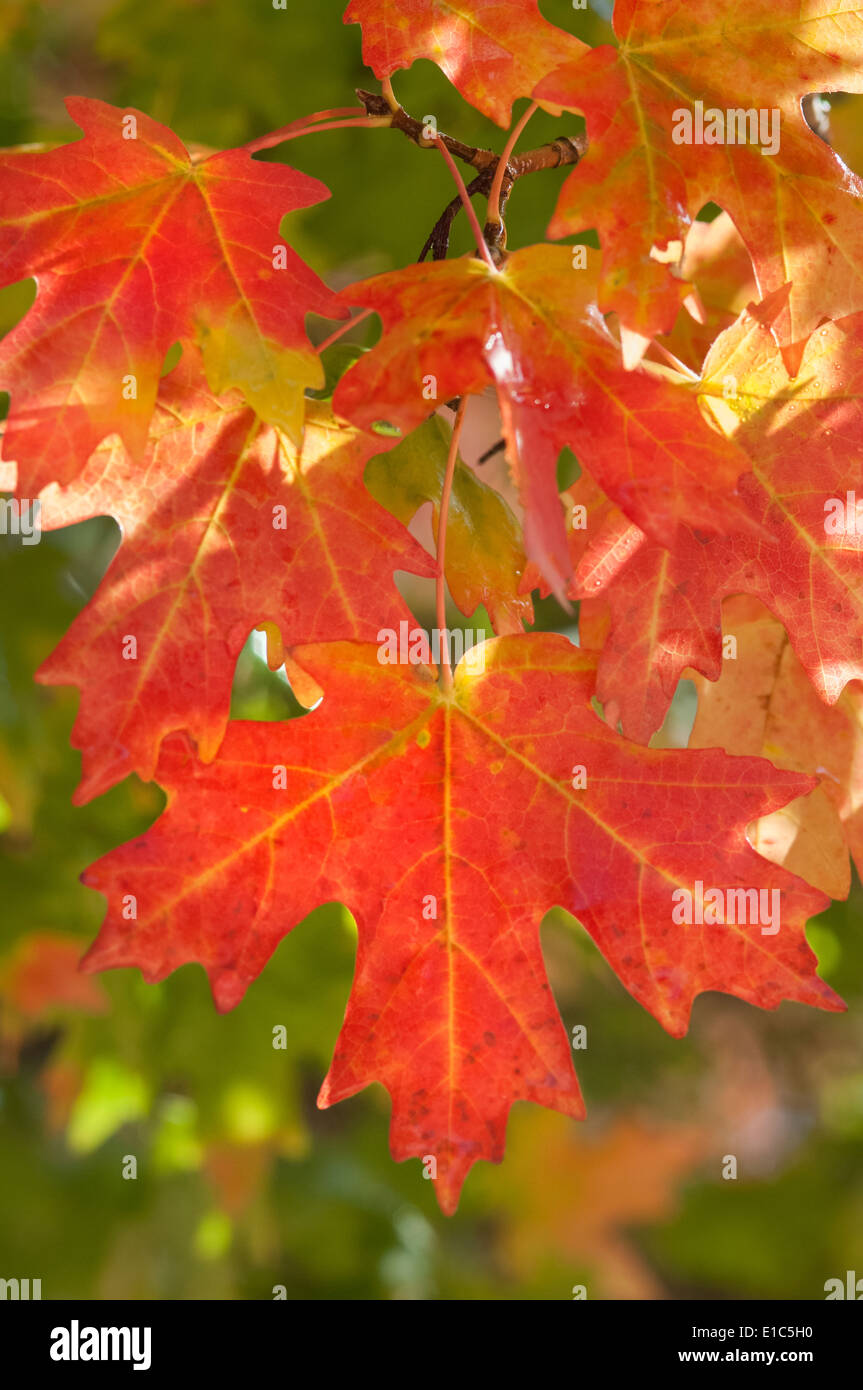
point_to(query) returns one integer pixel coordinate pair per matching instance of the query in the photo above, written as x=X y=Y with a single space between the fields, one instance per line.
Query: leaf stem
x=389 y=95
x=342 y=328
x=310 y=125
x=440 y=580
x=493 y=218
x=467 y=205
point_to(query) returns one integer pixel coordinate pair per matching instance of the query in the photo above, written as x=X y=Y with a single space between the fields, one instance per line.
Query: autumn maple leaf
x=764 y=704
x=802 y=439
x=449 y=822
x=40 y=976
x=136 y=246
x=717 y=264
x=596 y=1190
x=226 y=526
x=641 y=609
x=532 y=330
x=644 y=178
x=493 y=51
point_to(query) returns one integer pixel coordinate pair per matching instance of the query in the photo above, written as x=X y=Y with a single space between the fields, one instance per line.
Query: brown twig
x=464 y=197
x=566 y=149
x=438 y=239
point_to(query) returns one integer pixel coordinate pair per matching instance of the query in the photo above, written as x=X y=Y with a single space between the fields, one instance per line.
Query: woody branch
x=566 y=149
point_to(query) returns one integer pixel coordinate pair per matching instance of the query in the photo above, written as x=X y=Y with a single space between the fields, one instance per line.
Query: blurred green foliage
x=242 y=1184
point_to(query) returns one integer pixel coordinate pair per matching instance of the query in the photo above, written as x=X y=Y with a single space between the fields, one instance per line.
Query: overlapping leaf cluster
x=449 y=819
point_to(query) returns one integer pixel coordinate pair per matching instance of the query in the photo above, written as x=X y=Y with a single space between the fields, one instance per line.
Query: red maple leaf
x=532 y=331
x=449 y=823
x=647 y=173
x=226 y=527
x=493 y=51
x=135 y=246
x=664 y=600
